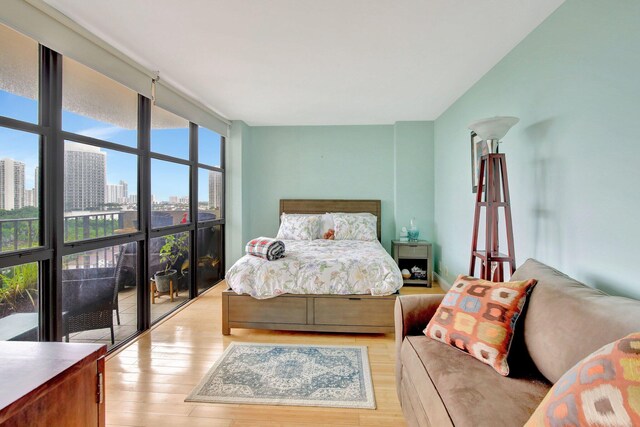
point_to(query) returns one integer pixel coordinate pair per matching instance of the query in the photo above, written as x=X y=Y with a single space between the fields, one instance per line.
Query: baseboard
x=443 y=283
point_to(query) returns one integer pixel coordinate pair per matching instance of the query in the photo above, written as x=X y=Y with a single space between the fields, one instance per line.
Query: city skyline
x=12 y=186
x=91 y=169
x=85 y=168
x=25 y=147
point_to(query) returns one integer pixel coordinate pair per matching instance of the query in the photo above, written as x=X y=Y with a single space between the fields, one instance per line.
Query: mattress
x=336 y=267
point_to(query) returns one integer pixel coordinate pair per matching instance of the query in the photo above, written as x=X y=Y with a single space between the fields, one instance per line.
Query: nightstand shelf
x=410 y=254
x=416 y=282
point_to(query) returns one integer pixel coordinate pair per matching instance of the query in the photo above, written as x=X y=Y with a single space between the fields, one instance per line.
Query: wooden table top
x=26 y=366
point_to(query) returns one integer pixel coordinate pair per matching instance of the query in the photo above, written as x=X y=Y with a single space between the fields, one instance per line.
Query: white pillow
x=298 y=227
x=359 y=226
x=328 y=223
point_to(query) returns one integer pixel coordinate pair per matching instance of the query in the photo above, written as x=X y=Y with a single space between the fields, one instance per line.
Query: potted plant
x=175 y=247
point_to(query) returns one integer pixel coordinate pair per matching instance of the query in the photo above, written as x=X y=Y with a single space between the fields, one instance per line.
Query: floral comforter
x=338 y=267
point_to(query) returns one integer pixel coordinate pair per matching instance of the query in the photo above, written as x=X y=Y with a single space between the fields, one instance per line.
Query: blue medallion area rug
x=296 y=375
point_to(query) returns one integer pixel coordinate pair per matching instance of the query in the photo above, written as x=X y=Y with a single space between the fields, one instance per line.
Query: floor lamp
x=493 y=194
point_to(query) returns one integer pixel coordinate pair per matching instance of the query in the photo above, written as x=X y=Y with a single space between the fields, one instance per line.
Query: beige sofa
x=564 y=321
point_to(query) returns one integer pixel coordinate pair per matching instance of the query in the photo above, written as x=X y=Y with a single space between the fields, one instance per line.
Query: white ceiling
x=315 y=62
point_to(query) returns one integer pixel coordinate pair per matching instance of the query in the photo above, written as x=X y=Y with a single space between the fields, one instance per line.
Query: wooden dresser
x=51 y=384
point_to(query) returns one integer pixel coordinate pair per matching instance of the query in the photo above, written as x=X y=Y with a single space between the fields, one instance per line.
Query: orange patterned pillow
x=603 y=389
x=479 y=317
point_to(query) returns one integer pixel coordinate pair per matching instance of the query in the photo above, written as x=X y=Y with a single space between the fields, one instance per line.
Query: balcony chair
x=90 y=296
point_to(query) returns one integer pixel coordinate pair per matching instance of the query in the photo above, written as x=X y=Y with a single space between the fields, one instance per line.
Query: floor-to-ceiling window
x=103 y=228
x=171 y=219
x=210 y=208
x=23 y=250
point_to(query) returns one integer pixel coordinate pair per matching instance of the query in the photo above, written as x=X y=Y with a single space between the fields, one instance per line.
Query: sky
x=167 y=179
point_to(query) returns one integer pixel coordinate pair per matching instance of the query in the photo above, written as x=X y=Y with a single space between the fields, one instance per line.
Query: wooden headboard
x=320 y=206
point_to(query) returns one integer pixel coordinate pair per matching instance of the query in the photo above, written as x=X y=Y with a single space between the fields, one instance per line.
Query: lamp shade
x=494 y=128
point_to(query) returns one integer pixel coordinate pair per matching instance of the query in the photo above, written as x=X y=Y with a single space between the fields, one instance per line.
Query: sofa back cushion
x=567 y=320
x=601 y=390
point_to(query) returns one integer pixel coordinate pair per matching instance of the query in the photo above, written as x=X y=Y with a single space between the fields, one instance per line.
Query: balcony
x=99 y=287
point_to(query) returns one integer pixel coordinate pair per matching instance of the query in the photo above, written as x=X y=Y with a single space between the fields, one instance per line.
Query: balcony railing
x=19 y=234
x=24 y=233
x=91 y=226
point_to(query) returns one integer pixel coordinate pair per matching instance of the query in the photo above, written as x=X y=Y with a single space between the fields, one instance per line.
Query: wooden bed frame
x=318 y=313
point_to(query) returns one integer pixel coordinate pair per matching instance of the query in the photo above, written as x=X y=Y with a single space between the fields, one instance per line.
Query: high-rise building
x=215 y=190
x=125 y=189
x=113 y=193
x=173 y=199
x=29 y=197
x=11 y=184
x=36 y=188
x=117 y=193
x=84 y=177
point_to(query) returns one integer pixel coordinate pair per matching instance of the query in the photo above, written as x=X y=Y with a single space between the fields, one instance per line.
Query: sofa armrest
x=412 y=313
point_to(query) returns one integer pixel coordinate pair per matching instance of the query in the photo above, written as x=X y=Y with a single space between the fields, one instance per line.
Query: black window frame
x=53 y=247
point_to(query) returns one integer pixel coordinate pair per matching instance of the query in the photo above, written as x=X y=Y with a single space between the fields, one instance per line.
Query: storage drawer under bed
x=354 y=310
x=321 y=313
x=244 y=308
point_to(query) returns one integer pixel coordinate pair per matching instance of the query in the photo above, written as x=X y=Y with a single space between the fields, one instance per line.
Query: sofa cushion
x=603 y=389
x=478 y=317
x=412 y=409
x=567 y=320
x=425 y=399
x=456 y=389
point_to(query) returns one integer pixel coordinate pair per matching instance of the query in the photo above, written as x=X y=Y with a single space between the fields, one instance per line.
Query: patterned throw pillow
x=355 y=226
x=298 y=227
x=603 y=389
x=479 y=317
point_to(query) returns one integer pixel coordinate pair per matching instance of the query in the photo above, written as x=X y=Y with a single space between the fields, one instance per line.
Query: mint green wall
x=393 y=163
x=573 y=159
x=315 y=162
x=236 y=194
x=414 y=176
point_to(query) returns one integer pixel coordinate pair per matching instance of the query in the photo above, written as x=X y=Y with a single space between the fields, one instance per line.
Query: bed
x=324 y=286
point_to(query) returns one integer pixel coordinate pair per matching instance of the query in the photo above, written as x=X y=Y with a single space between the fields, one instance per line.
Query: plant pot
x=163 y=278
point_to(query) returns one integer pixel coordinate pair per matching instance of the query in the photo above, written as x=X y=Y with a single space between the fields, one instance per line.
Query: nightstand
x=410 y=254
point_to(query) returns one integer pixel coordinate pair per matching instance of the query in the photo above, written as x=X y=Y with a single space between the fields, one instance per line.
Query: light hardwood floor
x=148 y=380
